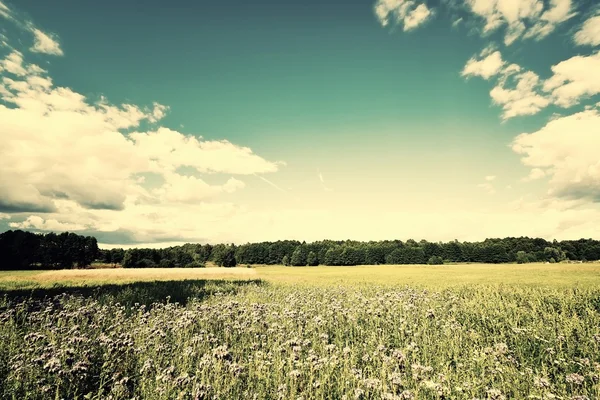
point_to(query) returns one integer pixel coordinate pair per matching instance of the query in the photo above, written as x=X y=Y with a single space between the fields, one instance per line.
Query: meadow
x=379 y=332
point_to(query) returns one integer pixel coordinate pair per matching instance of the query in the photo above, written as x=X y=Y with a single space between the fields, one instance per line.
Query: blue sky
x=233 y=121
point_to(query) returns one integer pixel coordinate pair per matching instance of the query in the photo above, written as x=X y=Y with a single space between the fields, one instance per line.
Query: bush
x=435 y=260
x=195 y=264
x=146 y=263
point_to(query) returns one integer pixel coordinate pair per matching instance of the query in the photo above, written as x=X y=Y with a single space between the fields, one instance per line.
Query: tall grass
x=234 y=340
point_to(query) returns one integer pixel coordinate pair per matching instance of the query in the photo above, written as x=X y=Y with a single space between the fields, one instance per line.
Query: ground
x=403 y=332
x=548 y=275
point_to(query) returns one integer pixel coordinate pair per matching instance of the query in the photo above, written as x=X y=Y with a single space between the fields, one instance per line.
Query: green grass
x=491 y=332
x=533 y=275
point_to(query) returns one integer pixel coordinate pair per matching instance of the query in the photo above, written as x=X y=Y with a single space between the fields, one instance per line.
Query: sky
x=160 y=123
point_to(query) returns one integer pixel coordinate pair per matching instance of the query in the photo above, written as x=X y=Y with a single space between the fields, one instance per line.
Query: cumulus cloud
x=490 y=178
x=488 y=64
x=521 y=92
x=574 y=79
x=566 y=149
x=38 y=223
x=522 y=18
x=589 y=34
x=44 y=43
x=522 y=99
x=408 y=13
x=69 y=163
x=534 y=174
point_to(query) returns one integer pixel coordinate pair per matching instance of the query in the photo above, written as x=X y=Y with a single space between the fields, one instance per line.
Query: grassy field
x=374 y=332
x=547 y=275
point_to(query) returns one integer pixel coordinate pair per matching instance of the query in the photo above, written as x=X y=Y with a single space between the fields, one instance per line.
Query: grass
x=11 y=280
x=546 y=275
x=492 y=332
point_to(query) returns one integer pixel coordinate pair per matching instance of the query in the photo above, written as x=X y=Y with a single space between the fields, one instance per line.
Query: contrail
x=327 y=189
x=272 y=184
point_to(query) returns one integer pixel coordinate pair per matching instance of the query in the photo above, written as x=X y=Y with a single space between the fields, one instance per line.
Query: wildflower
x=495 y=394
x=295 y=373
x=575 y=379
x=407 y=395
x=541 y=383
x=371 y=383
x=222 y=353
x=396 y=379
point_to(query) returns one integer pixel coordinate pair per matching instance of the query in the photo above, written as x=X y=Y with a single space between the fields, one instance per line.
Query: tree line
x=329 y=252
x=26 y=250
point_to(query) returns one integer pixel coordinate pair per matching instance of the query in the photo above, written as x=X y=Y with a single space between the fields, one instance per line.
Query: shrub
x=194 y=264
x=435 y=260
x=145 y=263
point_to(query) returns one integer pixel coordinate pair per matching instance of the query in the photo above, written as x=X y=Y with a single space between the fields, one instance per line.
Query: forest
x=27 y=250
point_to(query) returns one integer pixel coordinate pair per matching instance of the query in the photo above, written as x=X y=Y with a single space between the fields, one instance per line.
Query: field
x=426 y=276
x=378 y=332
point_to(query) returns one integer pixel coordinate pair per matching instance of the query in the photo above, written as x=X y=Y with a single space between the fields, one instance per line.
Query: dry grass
x=82 y=277
x=547 y=275
x=532 y=275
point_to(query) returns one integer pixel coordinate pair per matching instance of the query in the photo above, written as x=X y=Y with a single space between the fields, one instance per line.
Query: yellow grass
x=74 y=277
x=550 y=275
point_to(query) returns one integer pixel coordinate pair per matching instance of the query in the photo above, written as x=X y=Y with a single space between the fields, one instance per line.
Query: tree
x=522 y=257
x=228 y=260
x=554 y=253
x=298 y=258
x=435 y=260
x=333 y=256
x=311 y=259
x=286 y=260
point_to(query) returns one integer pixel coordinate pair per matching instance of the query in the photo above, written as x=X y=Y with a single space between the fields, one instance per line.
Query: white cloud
x=488 y=187
x=45 y=43
x=189 y=189
x=409 y=13
x=4 y=10
x=574 y=79
x=488 y=64
x=589 y=34
x=521 y=92
x=567 y=149
x=523 y=99
x=534 y=174
x=416 y=17
x=490 y=178
x=67 y=165
x=522 y=18
x=38 y=223
x=159 y=111
x=4 y=216
x=42 y=42
x=13 y=64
